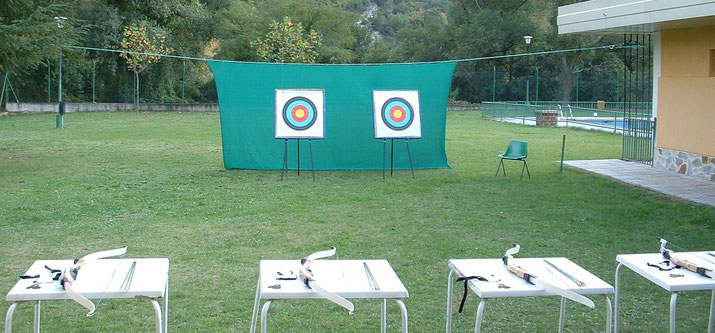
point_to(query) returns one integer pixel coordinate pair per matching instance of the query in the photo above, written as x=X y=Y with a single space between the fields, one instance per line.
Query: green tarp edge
x=246 y=93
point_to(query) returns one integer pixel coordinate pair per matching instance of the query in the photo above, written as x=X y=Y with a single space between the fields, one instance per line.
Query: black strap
x=56 y=273
x=665 y=263
x=30 y=276
x=466 y=279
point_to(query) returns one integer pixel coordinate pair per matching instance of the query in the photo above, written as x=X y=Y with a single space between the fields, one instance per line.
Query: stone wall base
x=685 y=163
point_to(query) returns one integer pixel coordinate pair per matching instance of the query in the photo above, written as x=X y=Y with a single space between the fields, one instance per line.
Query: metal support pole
x=59 y=121
x=5 y=90
x=494 y=84
x=577 y=86
x=49 y=95
x=527 y=91
x=563 y=146
x=409 y=156
x=312 y=164
x=284 y=166
x=59 y=78
x=94 y=79
x=384 y=158
x=392 y=155
x=183 y=79
x=298 y=144
x=536 y=98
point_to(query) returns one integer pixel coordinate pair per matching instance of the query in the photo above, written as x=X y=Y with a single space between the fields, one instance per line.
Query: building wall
x=686 y=101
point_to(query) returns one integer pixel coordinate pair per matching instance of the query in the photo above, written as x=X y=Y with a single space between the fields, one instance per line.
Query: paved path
x=681 y=186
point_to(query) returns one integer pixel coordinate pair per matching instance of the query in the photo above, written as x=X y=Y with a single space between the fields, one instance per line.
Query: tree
x=33 y=31
x=145 y=42
x=287 y=43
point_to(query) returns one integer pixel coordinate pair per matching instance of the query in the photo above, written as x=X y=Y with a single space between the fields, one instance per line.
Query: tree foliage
x=32 y=31
x=145 y=43
x=286 y=42
x=321 y=31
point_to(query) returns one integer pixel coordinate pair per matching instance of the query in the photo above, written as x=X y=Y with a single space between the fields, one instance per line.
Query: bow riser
x=69 y=276
x=668 y=254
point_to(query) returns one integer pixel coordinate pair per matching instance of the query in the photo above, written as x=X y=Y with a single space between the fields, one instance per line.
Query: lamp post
x=527 y=40
x=59 y=121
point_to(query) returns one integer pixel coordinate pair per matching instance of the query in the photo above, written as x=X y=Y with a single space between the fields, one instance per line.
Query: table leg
x=256 y=303
x=609 y=314
x=383 y=321
x=480 y=315
x=711 y=326
x=157 y=315
x=673 y=301
x=166 y=305
x=617 y=303
x=403 y=309
x=37 y=317
x=450 y=286
x=562 y=314
x=264 y=316
x=8 y=317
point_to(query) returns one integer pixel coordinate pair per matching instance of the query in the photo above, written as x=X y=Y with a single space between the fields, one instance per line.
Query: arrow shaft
x=569 y=276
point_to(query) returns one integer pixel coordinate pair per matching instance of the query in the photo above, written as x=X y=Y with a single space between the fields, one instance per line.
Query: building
x=683 y=71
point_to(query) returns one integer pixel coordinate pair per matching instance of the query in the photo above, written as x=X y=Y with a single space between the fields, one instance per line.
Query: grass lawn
x=156 y=182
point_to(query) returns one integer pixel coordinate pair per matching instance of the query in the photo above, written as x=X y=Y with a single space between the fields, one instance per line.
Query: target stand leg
x=284 y=166
x=392 y=155
x=312 y=165
x=298 y=157
x=384 y=158
x=407 y=141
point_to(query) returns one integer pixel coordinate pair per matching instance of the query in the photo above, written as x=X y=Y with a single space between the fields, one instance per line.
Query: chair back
x=516 y=149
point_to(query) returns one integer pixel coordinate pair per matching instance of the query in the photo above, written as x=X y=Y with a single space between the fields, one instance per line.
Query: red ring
x=305 y=113
x=392 y=113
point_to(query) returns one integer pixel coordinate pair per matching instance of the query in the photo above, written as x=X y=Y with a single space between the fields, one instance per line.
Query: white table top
x=494 y=270
x=93 y=280
x=690 y=280
x=346 y=278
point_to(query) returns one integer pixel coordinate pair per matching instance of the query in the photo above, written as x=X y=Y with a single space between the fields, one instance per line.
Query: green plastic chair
x=515 y=152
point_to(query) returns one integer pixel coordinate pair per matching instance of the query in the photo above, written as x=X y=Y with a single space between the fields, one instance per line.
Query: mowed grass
x=156 y=183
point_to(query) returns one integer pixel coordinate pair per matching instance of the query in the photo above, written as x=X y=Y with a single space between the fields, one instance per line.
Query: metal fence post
x=183 y=79
x=494 y=85
x=94 y=78
x=49 y=95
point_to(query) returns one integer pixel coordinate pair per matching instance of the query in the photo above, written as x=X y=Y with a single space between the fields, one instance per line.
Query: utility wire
x=528 y=54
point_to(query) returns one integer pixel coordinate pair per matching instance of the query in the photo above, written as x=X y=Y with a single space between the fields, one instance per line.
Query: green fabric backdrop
x=246 y=93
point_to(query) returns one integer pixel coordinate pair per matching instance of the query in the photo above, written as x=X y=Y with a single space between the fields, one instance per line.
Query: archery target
x=397 y=114
x=299 y=114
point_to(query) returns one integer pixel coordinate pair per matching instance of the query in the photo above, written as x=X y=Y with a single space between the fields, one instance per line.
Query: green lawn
x=156 y=182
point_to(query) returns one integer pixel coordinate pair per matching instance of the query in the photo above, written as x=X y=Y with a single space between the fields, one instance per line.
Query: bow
x=668 y=254
x=307 y=275
x=69 y=276
x=532 y=279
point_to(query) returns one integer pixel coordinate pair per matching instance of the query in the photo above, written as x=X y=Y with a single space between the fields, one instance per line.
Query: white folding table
x=689 y=281
x=496 y=272
x=346 y=278
x=97 y=279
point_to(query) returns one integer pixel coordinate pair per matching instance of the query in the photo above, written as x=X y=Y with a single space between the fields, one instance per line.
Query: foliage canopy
x=320 y=31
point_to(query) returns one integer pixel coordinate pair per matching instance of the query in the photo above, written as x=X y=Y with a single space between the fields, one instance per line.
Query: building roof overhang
x=634 y=16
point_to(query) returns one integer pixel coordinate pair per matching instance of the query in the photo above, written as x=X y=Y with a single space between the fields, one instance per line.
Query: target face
x=299 y=114
x=397 y=114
